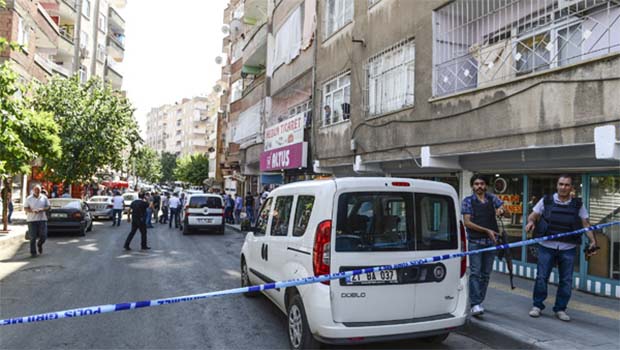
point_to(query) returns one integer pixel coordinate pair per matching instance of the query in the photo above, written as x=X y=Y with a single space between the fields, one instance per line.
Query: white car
x=129 y=197
x=100 y=207
x=203 y=212
x=318 y=227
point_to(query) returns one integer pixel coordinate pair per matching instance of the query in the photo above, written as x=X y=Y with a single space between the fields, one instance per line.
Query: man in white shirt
x=552 y=215
x=35 y=207
x=175 y=206
x=117 y=208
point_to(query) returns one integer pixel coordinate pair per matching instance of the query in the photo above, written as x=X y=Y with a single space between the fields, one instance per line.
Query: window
x=263 y=217
x=281 y=216
x=305 y=108
x=391 y=79
x=374 y=221
x=435 y=225
x=569 y=44
x=101 y=52
x=338 y=13
x=337 y=99
x=86 y=8
x=23 y=34
x=605 y=207
x=103 y=26
x=205 y=202
x=84 y=40
x=82 y=74
x=237 y=90
x=303 y=210
x=533 y=53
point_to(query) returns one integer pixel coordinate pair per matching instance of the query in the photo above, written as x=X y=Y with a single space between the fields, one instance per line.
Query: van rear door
x=373 y=229
x=391 y=227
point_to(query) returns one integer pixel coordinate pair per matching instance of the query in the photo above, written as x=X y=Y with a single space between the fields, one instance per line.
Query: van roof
x=347 y=183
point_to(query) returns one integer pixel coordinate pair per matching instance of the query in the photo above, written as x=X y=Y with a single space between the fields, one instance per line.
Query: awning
x=271 y=179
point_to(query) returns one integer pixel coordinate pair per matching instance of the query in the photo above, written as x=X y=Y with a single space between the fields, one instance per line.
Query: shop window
x=605 y=207
x=539 y=186
x=509 y=188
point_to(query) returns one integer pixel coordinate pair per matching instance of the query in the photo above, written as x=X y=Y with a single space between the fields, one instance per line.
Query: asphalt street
x=93 y=270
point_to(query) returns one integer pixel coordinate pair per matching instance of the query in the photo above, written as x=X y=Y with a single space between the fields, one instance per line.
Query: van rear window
x=202 y=202
x=375 y=221
x=389 y=221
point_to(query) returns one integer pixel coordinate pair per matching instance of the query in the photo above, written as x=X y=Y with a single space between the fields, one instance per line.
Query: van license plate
x=379 y=277
x=205 y=221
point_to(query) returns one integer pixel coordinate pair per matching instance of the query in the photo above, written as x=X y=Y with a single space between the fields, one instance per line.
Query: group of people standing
x=551 y=215
x=234 y=205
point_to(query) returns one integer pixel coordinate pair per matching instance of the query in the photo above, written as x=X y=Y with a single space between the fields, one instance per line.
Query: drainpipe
x=315 y=42
x=93 y=64
x=77 y=37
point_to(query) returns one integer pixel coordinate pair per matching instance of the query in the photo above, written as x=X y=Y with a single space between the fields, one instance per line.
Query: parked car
x=69 y=215
x=100 y=207
x=203 y=212
x=318 y=227
x=127 y=199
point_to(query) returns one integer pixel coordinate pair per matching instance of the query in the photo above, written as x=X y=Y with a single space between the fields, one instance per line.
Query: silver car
x=100 y=207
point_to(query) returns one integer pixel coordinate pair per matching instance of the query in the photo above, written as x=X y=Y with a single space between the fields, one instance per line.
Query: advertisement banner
x=288 y=132
x=288 y=157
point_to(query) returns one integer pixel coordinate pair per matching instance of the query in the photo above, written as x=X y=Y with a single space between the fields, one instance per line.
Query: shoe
x=145 y=248
x=562 y=315
x=127 y=248
x=477 y=310
x=40 y=246
x=535 y=312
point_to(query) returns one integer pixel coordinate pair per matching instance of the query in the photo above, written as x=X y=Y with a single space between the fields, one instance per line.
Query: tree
x=168 y=163
x=25 y=134
x=147 y=164
x=193 y=169
x=96 y=126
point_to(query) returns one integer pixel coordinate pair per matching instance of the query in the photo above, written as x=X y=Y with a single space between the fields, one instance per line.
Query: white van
x=318 y=227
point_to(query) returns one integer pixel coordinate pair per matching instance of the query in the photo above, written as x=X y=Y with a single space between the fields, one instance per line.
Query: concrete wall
x=548 y=109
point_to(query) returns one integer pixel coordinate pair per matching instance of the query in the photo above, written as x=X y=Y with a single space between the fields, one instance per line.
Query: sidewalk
x=595 y=320
x=234 y=227
x=17 y=231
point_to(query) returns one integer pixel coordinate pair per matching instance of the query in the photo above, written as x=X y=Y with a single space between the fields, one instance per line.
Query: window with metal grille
x=338 y=13
x=481 y=42
x=305 y=108
x=391 y=79
x=337 y=99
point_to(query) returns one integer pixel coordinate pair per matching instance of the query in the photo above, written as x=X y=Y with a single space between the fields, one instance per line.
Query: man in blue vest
x=552 y=215
x=479 y=211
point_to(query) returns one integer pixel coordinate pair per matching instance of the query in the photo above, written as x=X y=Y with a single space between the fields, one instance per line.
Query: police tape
x=102 y=309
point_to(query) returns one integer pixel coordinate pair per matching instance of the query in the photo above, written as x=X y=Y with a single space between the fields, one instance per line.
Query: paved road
x=84 y=271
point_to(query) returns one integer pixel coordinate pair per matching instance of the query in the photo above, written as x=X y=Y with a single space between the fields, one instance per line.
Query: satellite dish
x=219 y=60
x=217 y=88
x=235 y=27
x=225 y=29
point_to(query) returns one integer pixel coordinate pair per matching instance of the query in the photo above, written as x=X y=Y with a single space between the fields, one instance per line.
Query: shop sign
x=288 y=132
x=512 y=203
x=288 y=157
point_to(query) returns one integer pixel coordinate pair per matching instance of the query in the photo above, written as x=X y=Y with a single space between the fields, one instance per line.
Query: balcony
x=67 y=9
x=475 y=48
x=51 y=67
x=113 y=75
x=115 y=21
x=46 y=29
x=116 y=48
x=65 y=41
x=255 y=49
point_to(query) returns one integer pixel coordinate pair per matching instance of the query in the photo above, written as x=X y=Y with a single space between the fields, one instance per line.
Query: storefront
x=601 y=195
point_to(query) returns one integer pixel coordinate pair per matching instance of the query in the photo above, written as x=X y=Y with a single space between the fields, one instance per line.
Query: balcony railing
x=116 y=41
x=477 y=44
x=71 y=3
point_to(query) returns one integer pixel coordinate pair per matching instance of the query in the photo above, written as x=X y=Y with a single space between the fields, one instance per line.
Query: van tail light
x=187 y=213
x=77 y=215
x=463 y=249
x=322 y=249
x=223 y=212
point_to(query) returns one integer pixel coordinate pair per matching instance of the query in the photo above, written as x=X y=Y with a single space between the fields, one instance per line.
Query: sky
x=170 y=50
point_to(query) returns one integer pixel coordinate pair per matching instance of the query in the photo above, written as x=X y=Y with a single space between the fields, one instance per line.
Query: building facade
x=518 y=90
x=185 y=128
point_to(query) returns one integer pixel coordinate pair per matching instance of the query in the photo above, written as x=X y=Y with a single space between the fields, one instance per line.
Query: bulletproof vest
x=560 y=218
x=484 y=216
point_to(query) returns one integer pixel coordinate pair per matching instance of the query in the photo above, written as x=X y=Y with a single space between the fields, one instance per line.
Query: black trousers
x=134 y=227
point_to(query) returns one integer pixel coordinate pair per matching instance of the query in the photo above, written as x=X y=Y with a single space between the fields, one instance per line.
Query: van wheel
x=436 y=339
x=299 y=336
x=245 y=279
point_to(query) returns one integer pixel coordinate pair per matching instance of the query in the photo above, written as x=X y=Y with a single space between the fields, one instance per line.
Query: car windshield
x=65 y=203
x=99 y=199
x=202 y=202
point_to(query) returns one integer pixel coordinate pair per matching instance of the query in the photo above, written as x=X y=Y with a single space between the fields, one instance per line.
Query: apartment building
x=184 y=128
x=519 y=90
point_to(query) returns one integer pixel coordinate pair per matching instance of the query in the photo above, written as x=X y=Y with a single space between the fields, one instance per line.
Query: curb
x=234 y=228
x=497 y=336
